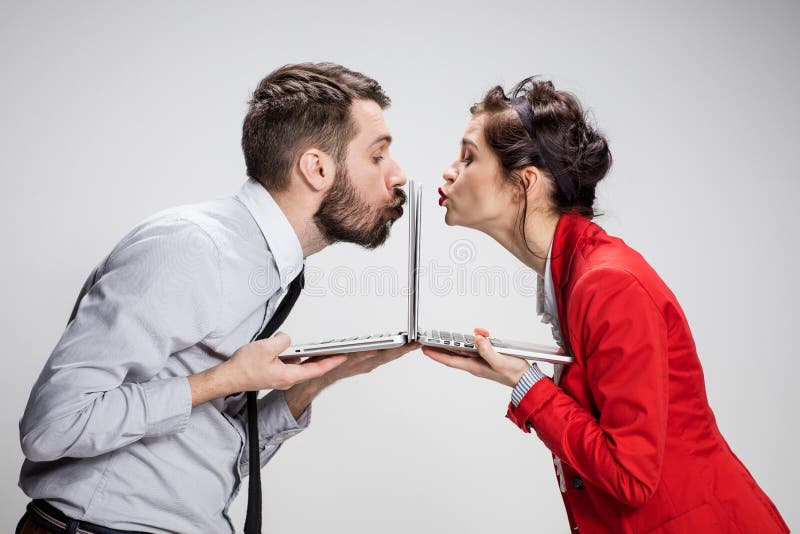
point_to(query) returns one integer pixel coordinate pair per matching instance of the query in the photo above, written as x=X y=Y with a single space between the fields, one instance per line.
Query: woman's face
x=475 y=193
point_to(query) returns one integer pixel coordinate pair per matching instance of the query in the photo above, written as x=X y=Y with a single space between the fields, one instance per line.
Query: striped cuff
x=525 y=383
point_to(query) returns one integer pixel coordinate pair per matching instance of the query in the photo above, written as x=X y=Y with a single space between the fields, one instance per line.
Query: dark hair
x=298 y=106
x=561 y=128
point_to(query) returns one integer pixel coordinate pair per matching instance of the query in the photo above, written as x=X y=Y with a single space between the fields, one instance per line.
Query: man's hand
x=357 y=363
x=501 y=368
x=256 y=366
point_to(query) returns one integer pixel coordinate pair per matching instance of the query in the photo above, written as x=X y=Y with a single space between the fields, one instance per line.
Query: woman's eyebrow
x=466 y=141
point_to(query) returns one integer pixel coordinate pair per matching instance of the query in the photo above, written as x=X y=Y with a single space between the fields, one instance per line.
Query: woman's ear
x=530 y=178
x=528 y=181
x=316 y=169
x=535 y=186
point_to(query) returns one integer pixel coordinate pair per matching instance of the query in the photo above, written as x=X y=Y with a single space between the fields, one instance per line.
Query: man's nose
x=397 y=178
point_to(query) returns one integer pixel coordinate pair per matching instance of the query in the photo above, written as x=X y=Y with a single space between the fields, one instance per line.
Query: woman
x=635 y=443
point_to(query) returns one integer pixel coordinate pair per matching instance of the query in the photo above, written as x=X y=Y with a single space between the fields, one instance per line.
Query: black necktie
x=252 y=523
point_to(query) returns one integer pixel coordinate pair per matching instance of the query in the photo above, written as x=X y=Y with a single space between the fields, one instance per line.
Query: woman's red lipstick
x=442 y=196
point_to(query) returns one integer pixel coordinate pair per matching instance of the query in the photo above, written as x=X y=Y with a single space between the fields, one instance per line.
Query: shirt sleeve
x=531 y=376
x=624 y=342
x=158 y=293
x=276 y=424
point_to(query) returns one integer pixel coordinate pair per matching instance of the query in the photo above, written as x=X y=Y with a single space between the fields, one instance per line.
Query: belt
x=48 y=516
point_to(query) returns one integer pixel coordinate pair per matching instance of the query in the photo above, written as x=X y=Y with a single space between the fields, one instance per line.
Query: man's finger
x=275 y=344
x=396 y=352
x=307 y=371
x=388 y=355
x=313 y=359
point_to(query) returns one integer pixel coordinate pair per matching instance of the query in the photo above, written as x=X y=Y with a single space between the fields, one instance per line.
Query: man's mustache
x=399 y=198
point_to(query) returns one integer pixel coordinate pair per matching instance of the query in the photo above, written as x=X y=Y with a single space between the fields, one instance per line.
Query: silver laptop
x=374 y=341
x=462 y=343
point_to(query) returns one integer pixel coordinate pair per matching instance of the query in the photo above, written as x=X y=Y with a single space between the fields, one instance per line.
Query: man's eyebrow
x=466 y=141
x=384 y=138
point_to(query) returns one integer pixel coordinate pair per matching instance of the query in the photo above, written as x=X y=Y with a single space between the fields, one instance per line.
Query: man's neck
x=299 y=211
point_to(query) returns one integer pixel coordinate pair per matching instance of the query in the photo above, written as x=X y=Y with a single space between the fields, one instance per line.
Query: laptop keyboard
x=451 y=338
x=356 y=338
x=455 y=339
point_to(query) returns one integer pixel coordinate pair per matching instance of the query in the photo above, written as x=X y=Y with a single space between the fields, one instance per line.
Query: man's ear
x=316 y=169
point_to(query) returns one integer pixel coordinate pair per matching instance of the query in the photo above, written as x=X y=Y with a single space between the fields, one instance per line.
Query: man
x=138 y=421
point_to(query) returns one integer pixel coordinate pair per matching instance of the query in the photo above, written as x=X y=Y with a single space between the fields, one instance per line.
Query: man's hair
x=301 y=106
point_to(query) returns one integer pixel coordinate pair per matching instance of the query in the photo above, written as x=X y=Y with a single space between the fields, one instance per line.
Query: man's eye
x=466 y=160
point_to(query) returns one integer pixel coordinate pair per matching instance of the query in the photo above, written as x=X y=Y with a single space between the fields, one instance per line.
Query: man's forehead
x=368 y=117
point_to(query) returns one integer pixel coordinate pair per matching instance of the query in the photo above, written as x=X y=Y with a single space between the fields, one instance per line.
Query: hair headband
x=563 y=179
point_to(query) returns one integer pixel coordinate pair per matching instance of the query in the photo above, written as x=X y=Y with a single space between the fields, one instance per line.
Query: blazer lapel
x=569 y=230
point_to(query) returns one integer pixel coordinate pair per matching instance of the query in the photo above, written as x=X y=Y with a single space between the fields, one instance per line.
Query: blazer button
x=577 y=483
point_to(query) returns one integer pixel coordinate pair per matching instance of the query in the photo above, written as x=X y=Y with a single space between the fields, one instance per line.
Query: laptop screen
x=414 y=229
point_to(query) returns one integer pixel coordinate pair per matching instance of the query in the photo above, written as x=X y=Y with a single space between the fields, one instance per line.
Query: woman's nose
x=450 y=173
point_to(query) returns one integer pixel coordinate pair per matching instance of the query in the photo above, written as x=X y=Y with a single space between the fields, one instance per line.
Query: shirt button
x=577 y=483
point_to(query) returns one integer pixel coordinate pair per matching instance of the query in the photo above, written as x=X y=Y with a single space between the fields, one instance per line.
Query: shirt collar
x=281 y=238
x=549 y=287
x=546 y=293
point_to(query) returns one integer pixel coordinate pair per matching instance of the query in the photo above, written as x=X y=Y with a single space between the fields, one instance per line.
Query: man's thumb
x=276 y=344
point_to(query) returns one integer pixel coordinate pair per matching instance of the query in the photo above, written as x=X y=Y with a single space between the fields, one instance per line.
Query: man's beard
x=344 y=216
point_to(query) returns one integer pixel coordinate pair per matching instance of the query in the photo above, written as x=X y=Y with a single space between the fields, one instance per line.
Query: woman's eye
x=466 y=160
x=377 y=159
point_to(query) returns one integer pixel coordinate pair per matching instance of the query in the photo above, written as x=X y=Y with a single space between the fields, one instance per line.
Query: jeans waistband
x=54 y=517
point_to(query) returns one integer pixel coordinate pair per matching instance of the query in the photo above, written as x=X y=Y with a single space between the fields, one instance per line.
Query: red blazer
x=629 y=420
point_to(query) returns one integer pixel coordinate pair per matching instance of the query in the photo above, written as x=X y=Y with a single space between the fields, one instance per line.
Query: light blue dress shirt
x=109 y=432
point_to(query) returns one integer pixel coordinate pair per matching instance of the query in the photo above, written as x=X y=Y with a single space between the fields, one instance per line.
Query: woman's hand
x=498 y=367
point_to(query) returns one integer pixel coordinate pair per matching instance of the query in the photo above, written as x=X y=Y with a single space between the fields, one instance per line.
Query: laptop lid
x=414 y=213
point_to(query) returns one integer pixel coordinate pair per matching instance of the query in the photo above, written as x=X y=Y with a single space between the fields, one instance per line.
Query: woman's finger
x=452 y=352
x=487 y=352
x=475 y=366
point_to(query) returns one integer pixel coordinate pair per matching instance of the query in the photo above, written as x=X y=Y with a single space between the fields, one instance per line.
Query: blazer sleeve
x=624 y=340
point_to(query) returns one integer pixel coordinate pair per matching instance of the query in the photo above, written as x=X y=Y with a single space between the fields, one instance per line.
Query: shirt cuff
x=525 y=383
x=168 y=404
x=275 y=421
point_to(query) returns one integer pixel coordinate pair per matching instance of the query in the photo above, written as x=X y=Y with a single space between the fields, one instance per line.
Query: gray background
x=111 y=111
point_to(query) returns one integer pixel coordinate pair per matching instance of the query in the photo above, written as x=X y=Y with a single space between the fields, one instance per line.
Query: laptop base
x=352 y=344
x=464 y=344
